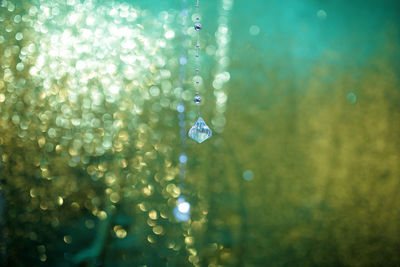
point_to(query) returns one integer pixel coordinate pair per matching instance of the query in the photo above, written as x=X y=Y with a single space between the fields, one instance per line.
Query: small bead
x=197 y=99
x=197 y=70
x=197 y=46
x=197 y=26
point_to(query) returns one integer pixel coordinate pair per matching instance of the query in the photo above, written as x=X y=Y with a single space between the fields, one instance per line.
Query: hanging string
x=199 y=131
x=197 y=27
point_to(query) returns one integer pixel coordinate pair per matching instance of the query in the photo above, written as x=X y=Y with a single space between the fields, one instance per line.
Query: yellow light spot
x=67 y=239
x=151 y=239
x=124 y=163
x=119 y=231
x=153 y=215
x=60 y=201
x=151 y=222
x=173 y=190
x=33 y=192
x=158 y=230
x=163 y=215
x=146 y=191
x=192 y=251
x=110 y=178
x=75 y=205
x=189 y=240
x=142 y=207
x=102 y=215
x=43 y=257
x=114 y=197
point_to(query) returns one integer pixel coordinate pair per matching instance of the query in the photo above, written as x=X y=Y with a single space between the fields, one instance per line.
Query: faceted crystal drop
x=200 y=131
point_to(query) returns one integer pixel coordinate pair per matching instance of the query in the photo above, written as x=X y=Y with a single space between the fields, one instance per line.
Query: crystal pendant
x=200 y=131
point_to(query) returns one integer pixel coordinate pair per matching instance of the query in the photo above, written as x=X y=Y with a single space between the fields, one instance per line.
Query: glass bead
x=197 y=26
x=197 y=99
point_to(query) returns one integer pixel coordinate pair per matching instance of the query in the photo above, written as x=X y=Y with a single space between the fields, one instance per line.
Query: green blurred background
x=303 y=167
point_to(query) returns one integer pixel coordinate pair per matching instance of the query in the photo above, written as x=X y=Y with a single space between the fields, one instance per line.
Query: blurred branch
x=91 y=254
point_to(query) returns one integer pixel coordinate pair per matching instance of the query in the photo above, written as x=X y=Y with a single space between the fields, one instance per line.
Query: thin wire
x=197 y=60
x=197 y=63
x=198 y=45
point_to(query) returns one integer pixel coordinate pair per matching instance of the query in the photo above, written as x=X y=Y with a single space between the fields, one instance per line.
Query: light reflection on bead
x=197 y=26
x=197 y=99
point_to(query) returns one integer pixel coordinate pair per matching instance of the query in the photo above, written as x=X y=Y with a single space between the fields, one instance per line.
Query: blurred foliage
x=94 y=183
